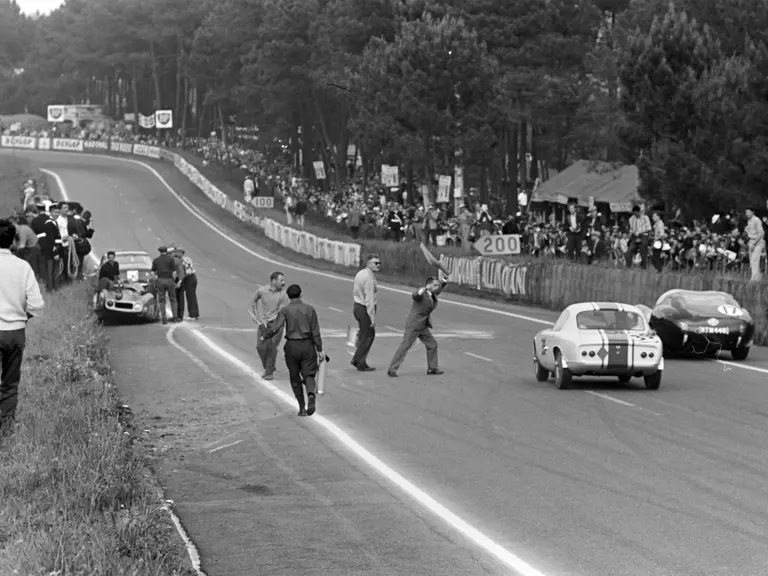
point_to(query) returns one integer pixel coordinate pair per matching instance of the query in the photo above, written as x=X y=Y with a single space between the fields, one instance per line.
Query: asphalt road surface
x=602 y=480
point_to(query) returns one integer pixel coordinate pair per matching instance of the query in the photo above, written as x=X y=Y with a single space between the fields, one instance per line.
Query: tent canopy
x=584 y=179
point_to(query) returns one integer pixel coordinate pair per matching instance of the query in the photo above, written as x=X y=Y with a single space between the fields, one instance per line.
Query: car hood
x=129 y=294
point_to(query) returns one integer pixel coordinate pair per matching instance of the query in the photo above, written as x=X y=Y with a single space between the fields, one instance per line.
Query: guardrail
x=343 y=253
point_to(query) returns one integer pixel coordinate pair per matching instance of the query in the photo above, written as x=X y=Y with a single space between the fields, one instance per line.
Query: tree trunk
x=156 y=79
x=523 y=154
x=135 y=98
x=179 y=75
x=513 y=177
x=185 y=109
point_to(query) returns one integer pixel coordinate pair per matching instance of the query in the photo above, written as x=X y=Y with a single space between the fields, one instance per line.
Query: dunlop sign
x=19 y=142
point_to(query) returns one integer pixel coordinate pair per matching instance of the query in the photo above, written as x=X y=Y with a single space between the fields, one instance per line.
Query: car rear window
x=609 y=320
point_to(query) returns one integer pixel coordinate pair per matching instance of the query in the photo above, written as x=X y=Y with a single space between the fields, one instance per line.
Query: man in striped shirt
x=273 y=299
x=365 y=294
x=639 y=236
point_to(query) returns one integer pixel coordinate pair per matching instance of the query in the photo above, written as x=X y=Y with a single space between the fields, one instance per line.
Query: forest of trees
x=680 y=89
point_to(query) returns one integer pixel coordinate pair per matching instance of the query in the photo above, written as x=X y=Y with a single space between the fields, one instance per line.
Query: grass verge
x=14 y=172
x=75 y=494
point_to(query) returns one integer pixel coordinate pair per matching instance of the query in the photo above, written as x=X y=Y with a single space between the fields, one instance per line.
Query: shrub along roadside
x=75 y=496
x=14 y=172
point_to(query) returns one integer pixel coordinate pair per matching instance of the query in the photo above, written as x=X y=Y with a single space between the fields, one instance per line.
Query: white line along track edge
x=484 y=542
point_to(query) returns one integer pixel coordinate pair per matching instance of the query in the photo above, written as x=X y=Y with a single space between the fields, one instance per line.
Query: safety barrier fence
x=545 y=283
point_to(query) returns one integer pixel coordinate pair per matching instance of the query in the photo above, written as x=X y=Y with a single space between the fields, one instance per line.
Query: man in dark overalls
x=164 y=267
x=303 y=346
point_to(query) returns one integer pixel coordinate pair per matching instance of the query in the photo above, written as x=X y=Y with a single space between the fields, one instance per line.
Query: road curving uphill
x=481 y=470
x=539 y=282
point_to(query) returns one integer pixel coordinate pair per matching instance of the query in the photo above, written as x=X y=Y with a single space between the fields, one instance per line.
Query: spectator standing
x=573 y=229
x=465 y=227
x=433 y=222
x=756 y=243
x=249 y=188
x=20 y=300
x=659 y=238
x=301 y=211
x=353 y=220
x=639 y=236
x=188 y=289
x=165 y=269
x=27 y=245
x=365 y=296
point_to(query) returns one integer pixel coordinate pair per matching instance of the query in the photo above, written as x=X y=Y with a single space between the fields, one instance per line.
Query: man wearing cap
x=187 y=293
x=50 y=245
x=303 y=346
x=179 y=278
x=164 y=268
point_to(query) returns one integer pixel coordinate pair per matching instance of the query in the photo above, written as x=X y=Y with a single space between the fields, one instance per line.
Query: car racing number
x=729 y=310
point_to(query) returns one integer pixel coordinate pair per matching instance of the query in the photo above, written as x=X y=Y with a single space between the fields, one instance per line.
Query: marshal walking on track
x=303 y=346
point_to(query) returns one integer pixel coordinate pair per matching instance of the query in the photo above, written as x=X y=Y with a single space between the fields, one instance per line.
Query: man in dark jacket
x=164 y=267
x=418 y=326
x=50 y=245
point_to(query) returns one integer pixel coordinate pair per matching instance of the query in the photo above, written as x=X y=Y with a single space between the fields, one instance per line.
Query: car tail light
x=643 y=354
x=584 y=353
x=592 y=354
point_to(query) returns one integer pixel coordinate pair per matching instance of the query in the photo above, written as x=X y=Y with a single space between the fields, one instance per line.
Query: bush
x=75 y=497
x=14 y=172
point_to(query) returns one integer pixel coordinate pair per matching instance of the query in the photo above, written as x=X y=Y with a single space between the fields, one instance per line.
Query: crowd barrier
x=343 y=253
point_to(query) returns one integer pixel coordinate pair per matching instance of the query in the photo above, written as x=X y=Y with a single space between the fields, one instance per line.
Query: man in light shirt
x=273 y=298
x=20 y=300
x=365 y=296
x=756 y=235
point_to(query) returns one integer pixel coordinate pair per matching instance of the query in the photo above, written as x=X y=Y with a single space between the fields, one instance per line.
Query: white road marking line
x=478 y=356
x=59 y=183
x=335 y=309
x=744 y=366
x=192 y=551
x=235 y=443
x=610 y=398
x=393 y=329
x=223 y=233
x=473 y=534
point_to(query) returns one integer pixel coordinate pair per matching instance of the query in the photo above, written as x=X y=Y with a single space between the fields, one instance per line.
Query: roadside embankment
x=75 y=494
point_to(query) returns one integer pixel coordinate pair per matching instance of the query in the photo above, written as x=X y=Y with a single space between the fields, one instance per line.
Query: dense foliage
x=680 y=89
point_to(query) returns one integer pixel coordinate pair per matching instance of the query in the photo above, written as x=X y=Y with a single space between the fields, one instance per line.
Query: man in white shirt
x=756 y=236
x=20 y=300
x=248 y=189
x=365 y=296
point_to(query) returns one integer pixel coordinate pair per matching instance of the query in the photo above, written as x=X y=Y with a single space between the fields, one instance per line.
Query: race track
x=602 y=480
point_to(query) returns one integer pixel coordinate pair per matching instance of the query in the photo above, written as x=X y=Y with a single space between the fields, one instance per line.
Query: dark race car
x=701 y=323
x=133 y=296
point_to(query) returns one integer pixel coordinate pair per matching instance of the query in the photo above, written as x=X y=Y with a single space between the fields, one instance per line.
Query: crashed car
x=599 y=339
x=691 y=322
x=133 y=295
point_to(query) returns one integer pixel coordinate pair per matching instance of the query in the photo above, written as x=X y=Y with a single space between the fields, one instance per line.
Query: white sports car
x=599 y=339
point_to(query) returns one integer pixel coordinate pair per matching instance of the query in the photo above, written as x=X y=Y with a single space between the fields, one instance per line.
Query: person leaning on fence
x=20 y=300
x=756 y=244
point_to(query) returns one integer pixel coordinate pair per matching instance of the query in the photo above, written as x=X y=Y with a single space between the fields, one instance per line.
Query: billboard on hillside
x=75 y=113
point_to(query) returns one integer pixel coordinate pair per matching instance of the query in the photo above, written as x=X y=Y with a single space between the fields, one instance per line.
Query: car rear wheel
x=541 y=373
x=563 y=376
x=653 y=381
x=740 y=353
x=624 y=378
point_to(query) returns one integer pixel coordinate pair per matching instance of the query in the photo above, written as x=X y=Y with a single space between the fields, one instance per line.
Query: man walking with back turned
x=303 y=346
x=164 y=267
x=20 y=300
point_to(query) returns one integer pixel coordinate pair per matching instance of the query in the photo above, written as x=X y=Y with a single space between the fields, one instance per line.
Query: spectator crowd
x=365 y=208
